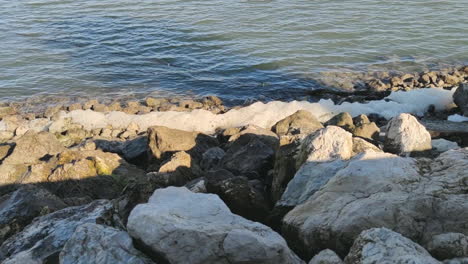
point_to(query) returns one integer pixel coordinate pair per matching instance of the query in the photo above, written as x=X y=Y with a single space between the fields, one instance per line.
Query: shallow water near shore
x=236 y=50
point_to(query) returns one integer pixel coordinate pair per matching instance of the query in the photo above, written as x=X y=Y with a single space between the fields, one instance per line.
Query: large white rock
x=326 y=144
x=381 y=245
x=186 y=227
x=93 y=243
x=383 y=190
x=405 y=134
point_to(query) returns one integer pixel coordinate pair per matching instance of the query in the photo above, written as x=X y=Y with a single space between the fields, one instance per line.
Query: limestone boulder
x=383 y=190
x=300 y=123
x=185 y=227
x=343 y=120
x=404 y=134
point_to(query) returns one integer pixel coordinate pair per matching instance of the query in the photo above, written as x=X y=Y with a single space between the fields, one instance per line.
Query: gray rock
x=404 y=134
x=42 y=240
x=19 y=208
x=186 y=227
x=381 y=245
x=324 y=145
x=326 y=257
x=211 y=158
x=448 y=246
x=442 y=145
x=308 y=180
x=197 y=186
x=460 y=98
x=456 y=261
x=92 y=243
x=382 y=190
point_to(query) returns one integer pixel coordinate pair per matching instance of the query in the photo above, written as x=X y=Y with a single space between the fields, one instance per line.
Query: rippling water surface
x=235 y=49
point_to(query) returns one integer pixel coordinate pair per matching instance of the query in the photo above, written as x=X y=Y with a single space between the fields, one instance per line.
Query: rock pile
x=301 y=192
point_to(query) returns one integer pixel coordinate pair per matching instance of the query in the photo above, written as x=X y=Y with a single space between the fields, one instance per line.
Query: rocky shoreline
x=192 y=181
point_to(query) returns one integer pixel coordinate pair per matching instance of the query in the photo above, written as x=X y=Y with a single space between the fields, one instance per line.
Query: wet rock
x=326 y=257
x=326 y=144
x=361 y=145
x=42 y=240
x=199 y=228
x=115 y=106
x=302 y=122
x=155 y=102
x=241 y=197
x=404 y=134
x=382 y=190
x=92 y=243
x=211 y=158
x=460 y=98
x=19 y=208
x=100 y=108
x=448 y=246
x=381 y=245
x=343 y=120
x=162 y=140
x=442 y=145
x=134 y=151
x=89 y=104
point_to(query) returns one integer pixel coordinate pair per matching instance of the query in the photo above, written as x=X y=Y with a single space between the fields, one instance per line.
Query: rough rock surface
x=284 y=169
x=326 y=257
x=302 y=122
x=448 y=246
x=33 y=146
x=241 y=197
x=381 y=245
x=186 y=227
x=404 y=134
x=43 y=239
x=211 y=158
x=361 y=145
x=326 y=144
x=460 y=98
x=442 y=145
x=163 y=140
x=343 y=120
x=19 y=208
x=383 y=190
x=92 y=243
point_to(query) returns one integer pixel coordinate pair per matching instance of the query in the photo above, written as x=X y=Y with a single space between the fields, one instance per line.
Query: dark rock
x=19 y=208
x=460 y=97
x=211 y=158
x=42 y=240
x=92 y=243
x=301 y=122
x=241 y=197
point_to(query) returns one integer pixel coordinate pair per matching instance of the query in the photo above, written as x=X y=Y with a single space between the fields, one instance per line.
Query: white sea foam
x=267 y=114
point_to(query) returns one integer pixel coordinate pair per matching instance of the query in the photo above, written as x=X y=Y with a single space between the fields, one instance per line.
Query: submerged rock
x=381 y=245
x=93 y=243
x=42 y=240
x=185 y=227
x=404 y=134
